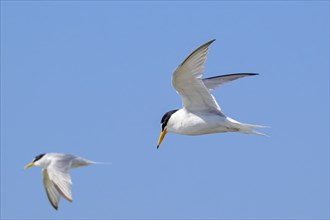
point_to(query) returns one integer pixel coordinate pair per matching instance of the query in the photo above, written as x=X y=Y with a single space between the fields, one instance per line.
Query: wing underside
x=57 y=183
x=216 y=81
x=187 y=81
x=52 y=193
x=194 y=91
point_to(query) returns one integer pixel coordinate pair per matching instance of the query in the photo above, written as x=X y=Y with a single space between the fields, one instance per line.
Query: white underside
x=198 y=123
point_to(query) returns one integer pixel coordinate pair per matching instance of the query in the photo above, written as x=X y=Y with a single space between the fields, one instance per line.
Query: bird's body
x=196 y=123
x=65 y=161
x=201 y=113
x=56 y=180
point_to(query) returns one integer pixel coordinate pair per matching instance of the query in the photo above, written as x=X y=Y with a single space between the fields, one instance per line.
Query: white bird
x=201 y=113
x=57 y=181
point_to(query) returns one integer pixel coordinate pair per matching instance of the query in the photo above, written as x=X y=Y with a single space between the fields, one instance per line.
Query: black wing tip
x=233 y=74
x=211 y=41
x=205 y=45
x=55 y=207
x=208 y=43
x=248 y=74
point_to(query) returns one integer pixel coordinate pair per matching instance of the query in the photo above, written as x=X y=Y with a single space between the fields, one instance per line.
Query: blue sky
x=93 y=78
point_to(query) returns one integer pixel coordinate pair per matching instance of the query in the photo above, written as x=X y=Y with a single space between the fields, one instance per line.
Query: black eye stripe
x=166 y=117
x=38 y=157
x=163 y=126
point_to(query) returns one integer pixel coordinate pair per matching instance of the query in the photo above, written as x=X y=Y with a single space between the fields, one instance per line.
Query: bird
x=55 y=176
x=200 y=113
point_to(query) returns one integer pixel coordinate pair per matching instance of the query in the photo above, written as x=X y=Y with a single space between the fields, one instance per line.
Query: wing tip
x=208 y=43
x=232 y=74
x=247 y=74
x=211 y=41
x=205 y=45
x=55 y=206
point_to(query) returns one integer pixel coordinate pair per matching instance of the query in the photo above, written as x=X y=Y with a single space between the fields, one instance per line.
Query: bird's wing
x=187 y=81
x=58 y=175
x=51 y=191
x=216 y=81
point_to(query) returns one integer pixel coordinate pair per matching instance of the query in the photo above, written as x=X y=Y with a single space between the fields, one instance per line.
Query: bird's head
x=35 y=161
x=163 y=125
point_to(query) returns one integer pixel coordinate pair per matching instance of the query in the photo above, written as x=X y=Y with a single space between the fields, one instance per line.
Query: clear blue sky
x=93 y=78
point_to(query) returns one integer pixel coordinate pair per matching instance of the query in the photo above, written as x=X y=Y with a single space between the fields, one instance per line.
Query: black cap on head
x=166 y=117
x=38 y=157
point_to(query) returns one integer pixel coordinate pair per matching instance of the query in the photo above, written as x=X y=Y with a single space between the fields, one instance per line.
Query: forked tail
x=247 y=128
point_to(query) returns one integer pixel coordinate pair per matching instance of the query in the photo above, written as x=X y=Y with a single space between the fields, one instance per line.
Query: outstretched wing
x=216 y=81
x=57 y=181
x=51 y=190
x=187 y=81
x=62 y=182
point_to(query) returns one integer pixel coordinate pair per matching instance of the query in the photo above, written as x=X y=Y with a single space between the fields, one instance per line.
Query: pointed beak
x=161 y=137
x=29 y=165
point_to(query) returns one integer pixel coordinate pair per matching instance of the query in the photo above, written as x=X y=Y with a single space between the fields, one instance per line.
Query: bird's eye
x=162 y=125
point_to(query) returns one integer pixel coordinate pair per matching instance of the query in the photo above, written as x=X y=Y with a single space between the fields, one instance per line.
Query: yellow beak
x=29 y=165
x=161 y=137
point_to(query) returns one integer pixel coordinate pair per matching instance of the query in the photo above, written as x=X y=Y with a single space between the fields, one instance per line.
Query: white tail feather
x=106 y=163
x=246 y=128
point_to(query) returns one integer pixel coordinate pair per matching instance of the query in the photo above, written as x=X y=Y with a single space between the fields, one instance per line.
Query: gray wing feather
x=58 y=175
x=216 y=81
x=187 y=81
x=62 y=182
x=52 y=193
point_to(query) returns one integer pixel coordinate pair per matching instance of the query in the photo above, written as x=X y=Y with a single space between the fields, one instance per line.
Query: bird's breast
x=195 y=123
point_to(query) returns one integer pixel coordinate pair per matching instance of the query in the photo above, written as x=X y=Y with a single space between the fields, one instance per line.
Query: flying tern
x=200 y=113
x=55 y=176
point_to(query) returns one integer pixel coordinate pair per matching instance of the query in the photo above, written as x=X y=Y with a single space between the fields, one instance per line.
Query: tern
x=201 y=113
x=57 y=181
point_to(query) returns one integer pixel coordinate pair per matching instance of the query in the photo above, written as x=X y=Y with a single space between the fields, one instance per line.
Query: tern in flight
x=200 y=113
x=55 y=176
